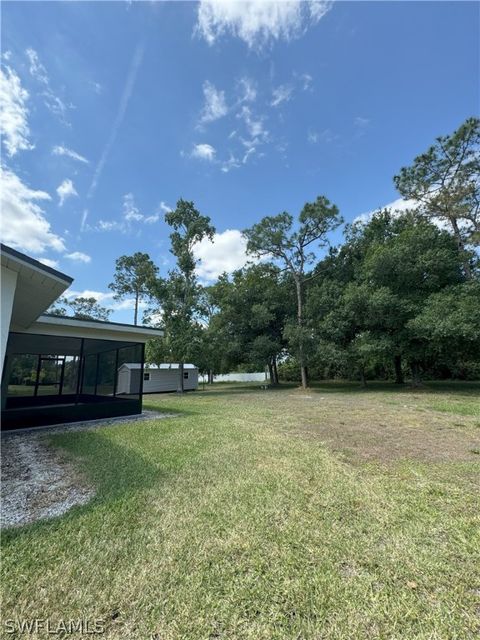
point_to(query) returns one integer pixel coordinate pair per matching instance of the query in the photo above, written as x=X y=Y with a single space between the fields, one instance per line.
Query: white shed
x=156 y=379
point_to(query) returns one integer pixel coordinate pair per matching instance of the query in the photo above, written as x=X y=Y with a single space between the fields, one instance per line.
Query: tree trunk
x=210 y=376
x=180 y=388
x=362 y=377
x=461 y=248
x=270 y=372
x=416 y=381
x=397 y=363
x=301 y=353
x=275 y=370
x=135 y=317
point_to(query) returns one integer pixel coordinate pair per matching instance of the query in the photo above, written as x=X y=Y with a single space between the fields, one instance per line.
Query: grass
x=335 y=513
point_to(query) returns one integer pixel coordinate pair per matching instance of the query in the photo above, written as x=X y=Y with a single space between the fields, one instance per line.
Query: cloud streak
x=122 y=109
x=60 y=150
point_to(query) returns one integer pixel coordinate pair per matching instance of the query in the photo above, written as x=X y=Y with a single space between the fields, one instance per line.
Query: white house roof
x=96 y=329
x=153 y=367
x=37 y=287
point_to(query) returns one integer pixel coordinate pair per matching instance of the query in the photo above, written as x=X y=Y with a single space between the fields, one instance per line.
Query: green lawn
x=336 y=513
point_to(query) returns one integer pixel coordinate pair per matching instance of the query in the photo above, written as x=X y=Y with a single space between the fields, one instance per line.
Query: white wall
x=238 y=377
x=8 y=286
x=161 y=380
x=167 y=380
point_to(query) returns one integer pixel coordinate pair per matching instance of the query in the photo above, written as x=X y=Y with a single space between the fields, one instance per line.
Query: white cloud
x=49 y=263
x=231 y=163
x=51 y=101
x=203 y=152
x=258 y=22
x=110 y=225
x=131 y=214
x=84 y=219
x=164 y=207
x=100 y=296
x=254 y=125
x=151 y=219
x=361 y=122
x=283 y=93
x=23 y=222
x=161 y=209
x=307 y=80
x=248 y=90
x=227 y=252
x=327 y=136
x=215 y=106
x=79 y=256
x=13 y=113
x=60 y=150
x=398 y=206
x=66 y=190
x=96 y=86
x=37 y=70
x=106 y=299
x=130 y=209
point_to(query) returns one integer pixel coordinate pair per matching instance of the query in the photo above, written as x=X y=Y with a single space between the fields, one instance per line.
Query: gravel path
x=38 y=481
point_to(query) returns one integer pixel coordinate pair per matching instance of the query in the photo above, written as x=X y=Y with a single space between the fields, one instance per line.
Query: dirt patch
x=362 y=431
x=37 y=481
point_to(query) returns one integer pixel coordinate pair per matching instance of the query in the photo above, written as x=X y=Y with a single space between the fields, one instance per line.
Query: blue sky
x=112 y=111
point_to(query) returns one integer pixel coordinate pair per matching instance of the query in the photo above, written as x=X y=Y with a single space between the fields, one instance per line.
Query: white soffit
x=38 y=286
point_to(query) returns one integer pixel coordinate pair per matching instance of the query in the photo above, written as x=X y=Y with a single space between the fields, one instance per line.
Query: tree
x=88 y=309
x=82 y=308
x=445 y=183
x=386 y=272
x=179 y=295
x=275 y=239
x=133 y=276
x=450 y=323
x=253 y=306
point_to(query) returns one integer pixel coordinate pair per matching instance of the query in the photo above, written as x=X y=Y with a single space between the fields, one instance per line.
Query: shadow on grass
x=221 y=389
x=115 y=472
x=461 y=388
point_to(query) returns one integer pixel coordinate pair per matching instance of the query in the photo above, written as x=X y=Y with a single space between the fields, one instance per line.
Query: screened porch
x=52 y=379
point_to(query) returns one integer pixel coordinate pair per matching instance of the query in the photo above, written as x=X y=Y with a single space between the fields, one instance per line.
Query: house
x=57 y=369
x=156 y=379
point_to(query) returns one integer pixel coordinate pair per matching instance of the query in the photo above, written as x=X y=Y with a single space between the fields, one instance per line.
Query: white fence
x=237 y=377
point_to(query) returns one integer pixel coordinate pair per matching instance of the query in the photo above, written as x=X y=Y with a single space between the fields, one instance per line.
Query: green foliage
x=275 y=238
x=252 y=307
x=388 y=270
x=133 y=276
x=80 y=307
x=450 y=322
x=400 y=295
x=179 y=296
x=444 y=182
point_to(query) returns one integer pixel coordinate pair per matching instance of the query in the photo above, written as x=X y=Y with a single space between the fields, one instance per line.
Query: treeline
x=400 y=297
